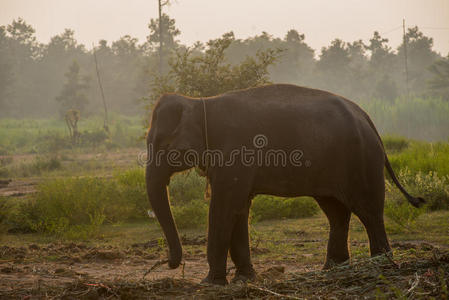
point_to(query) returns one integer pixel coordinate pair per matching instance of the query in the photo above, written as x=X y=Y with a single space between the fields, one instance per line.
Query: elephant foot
x=214 y=280
x=330 y=263
x=244 y=275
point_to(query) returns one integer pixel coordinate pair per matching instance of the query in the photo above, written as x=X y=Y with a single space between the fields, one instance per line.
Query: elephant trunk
x=156 y=181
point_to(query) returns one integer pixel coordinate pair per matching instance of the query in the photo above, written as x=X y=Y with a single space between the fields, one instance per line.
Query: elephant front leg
x=228 y=228
x=240 y=250
x=219 y=241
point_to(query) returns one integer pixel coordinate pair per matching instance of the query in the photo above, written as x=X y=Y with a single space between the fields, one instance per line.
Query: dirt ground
x=76 y=270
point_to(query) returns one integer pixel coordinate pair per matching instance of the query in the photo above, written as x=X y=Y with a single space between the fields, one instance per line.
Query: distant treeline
x=34 y=76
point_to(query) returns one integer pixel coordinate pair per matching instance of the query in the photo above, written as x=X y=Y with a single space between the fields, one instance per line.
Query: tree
x=420 y=56
x=73 y=93
x=297 y=61
x=23 y=40
x=164 y=27
x=6 y=72
x=439 y=83
x=382 y=68
x=208 y=73
x=333 y=66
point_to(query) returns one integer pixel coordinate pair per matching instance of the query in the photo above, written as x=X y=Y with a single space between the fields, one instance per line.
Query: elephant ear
x=187 y=134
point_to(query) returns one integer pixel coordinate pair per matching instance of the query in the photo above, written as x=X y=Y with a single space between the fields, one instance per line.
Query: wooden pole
x=160 y=37
x=105 y=123
x=405 y=57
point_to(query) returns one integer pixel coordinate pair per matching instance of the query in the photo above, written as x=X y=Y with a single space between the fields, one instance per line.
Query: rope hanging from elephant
x=207 y=193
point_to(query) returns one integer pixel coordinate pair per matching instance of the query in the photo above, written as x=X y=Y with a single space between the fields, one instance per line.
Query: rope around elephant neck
x=207 y=194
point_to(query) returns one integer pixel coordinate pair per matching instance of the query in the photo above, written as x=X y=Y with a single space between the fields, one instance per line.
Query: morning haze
x=154 y=156
x=201 y=20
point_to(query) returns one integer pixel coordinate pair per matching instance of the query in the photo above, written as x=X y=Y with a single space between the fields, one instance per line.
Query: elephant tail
x=415 y=201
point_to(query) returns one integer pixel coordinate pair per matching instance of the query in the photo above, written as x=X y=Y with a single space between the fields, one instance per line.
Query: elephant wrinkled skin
x=342 y=166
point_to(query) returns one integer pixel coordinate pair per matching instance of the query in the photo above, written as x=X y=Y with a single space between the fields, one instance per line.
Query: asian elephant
x=282 y=140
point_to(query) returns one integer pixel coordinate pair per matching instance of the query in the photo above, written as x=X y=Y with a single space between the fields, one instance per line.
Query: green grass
x=301 y=241
x=50 y=135
x=422 y=157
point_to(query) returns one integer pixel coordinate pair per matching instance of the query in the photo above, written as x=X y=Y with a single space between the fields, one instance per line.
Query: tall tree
x=6 y=72
x=420 y=56
x=74 y=92
x=439 y=83
x=163 y=34
x=333 y=67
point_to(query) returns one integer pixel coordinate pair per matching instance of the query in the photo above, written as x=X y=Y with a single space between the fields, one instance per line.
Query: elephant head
x=176 y=126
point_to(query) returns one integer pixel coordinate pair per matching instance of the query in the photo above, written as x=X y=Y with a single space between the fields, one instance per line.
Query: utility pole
x=160 y=37
x=405 y=57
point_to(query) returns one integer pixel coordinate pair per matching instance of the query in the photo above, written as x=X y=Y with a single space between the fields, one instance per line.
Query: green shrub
x=191 y=215
x=402 y=214
x=51 y=142
x=394 y=143
x=423 y=157
x=93 y=138
x=77 y=207
x=133 y=188
x=265 y=207
x=63 y=203
x=434 y=189
x=44 y=163
x=186 y=187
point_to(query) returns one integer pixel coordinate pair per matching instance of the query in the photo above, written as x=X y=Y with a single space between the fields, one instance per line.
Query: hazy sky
x=320 y=20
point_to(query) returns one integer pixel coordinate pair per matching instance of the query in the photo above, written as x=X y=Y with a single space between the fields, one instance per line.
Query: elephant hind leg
x=373 y=220
x=339 y=216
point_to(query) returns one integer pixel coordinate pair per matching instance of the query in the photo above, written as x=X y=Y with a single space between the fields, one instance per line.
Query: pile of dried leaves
x=412 y=274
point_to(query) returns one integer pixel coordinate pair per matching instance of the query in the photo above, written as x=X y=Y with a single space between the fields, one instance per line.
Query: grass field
x=73 y=221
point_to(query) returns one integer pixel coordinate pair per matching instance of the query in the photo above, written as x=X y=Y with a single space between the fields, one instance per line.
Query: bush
x=402 y=214
x=394 y=143
x=133 y=188
x=423 y=157
x=265 y=207
x=62 y=204
x=93 y=138
x=186 y=187
x=4 y=212
x=434 y=189
x=191 y=215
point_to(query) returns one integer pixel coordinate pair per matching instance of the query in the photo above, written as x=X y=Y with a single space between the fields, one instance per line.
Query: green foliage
x=51 y=136
x=186 y=187
x=191 y=215
x=402 y=214
x=419 y=118
x=439 y=83
x=38 y=166
x=65 y=206
x=433 y=188
x=73 y=94
x=198 y=74
x=133 y=189
x=265 y=207
x=93 y=138
x=4 y=212
x=394 y=144
x=423 y=157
